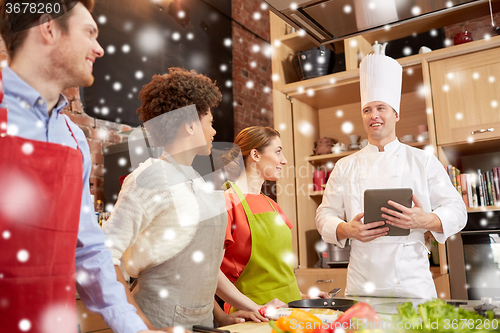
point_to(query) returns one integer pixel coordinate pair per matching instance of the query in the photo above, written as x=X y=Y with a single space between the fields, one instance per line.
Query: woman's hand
x=240 y=317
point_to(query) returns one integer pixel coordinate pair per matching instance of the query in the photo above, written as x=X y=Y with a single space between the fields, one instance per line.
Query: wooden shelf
x=332 y=157
x=343 y=87
x=482 y=209
x=297 y=41
x=316 y=193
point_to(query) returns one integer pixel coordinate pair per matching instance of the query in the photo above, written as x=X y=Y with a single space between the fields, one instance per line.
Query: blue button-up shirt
x=29 y=118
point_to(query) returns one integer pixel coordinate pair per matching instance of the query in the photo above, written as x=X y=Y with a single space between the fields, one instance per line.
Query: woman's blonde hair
x=254 y=137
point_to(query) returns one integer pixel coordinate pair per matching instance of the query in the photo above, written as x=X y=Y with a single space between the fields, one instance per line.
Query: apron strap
x=165 y=155
x=241 y=196
x=72 y=134
x=267 y=198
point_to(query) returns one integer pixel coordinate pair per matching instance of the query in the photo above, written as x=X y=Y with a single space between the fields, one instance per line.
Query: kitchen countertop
x=385 y=306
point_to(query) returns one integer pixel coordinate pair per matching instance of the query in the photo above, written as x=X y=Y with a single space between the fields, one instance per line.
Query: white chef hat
x=380 y=80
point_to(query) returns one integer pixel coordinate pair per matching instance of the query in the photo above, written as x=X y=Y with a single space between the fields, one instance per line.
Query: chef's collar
x=390 y=147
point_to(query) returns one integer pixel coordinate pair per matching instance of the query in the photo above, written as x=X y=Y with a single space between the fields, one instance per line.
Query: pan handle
x=324 y=281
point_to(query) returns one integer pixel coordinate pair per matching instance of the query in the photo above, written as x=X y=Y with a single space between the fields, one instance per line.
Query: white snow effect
x=267 y=90
x=271 y=311
x=27 y=148
x=144 y=59
x=483 y=222
x=111 y=49
x=223 y=67
x=332 y=81
x=209 y=186
x=102 y=19
x=353 y=43
x=347 y=9
x=489 y=214
x=58 y=319
x=263 y=6
x=459 y=116
x=249 y=84
x=109 y=207
x=176 y=36
x=6 y=234
x=446 y=88
x=491 y=79
x=369 y=287
x=126 y=48
x=449 y=4
x=3 y=63
x=434 y=33
x=339 y=113
x=372 y=5
x=117 y=86
x=197 y=61
x=300 y=90
x=430 y=149
x=179 y=329
x=255 y=48
x=302 y=33
x=102 y=101
x=277 y=43
x=282 y=126
x=130 y=96
x=107 y=77
x=105 y=111
x=307 y=67
x=475 y=75
x=108 y=243
x=320 y=60
x=23 y=255
x=416 y=10
x=279 y=220
x=263 y=110
x=25 y=325
x=293 y=6
x=163 y=293
x=139 y=75
x=229 y=83
x=268 y=51
x=256 y=16
x=330 y=165
x=181 y=14
x=253 y=64
x=12 y=129
x=305 y=128
x=467 y=267
x=82 y=277
x=190 y=36
x=288 y=258
x=310 y=92
x=450 y=76
x=494 y=104
x=313 y=292
x=150 y=40
x=275 y=77
x=169 y=234
x=198 y=256
x=227 y=42
x=347 y=127
x=320 y=246
x=407 y=51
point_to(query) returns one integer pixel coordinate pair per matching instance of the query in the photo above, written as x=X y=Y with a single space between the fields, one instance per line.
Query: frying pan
x=324 y=303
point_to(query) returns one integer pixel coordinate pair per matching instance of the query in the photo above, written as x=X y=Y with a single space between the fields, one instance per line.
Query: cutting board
x=249 y=327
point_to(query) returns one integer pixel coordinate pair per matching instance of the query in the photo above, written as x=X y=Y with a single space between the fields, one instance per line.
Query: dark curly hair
x=179 y=88
x=254 y=137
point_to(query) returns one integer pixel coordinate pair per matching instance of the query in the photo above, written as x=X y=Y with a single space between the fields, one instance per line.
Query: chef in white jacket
x=381 y=265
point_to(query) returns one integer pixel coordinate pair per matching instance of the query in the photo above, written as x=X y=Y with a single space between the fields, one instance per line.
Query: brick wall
x=252 y=84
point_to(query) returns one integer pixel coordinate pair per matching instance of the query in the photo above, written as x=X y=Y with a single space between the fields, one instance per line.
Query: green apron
x=267 y=274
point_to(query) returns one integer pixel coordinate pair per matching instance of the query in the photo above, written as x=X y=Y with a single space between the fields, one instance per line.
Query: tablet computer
x=378 y=198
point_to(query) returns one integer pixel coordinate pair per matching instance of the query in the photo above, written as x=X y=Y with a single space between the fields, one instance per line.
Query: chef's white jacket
x=394 y=266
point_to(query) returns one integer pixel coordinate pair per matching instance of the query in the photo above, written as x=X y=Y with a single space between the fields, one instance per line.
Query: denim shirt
x=99 y=290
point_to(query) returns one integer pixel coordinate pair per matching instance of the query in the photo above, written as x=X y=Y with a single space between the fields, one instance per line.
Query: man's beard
x=64 y=68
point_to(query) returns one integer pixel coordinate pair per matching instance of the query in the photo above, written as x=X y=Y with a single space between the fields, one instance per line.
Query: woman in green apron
x=258 y=257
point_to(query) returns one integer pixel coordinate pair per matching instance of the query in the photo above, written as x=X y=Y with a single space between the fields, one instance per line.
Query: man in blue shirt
x=52 y=55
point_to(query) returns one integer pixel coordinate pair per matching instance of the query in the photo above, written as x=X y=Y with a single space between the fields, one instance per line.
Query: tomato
x=361 y=313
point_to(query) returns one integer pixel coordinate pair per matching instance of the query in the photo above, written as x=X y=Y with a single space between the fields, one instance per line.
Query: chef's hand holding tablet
x=410 y=218
x=364 y=232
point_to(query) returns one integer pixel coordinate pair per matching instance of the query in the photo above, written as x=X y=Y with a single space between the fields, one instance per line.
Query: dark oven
x=474 y=258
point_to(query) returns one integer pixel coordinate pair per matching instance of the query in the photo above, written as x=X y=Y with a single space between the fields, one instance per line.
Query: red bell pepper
x=360 y=315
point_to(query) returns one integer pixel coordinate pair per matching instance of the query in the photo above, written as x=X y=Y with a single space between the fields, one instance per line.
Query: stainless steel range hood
x=333 y=20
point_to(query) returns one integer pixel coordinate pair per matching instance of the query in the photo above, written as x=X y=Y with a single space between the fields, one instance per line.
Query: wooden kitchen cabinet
x=466 y=97
x=323 y=279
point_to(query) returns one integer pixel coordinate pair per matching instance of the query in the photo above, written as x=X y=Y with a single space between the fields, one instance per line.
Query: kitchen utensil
x=334 y=292
x=314 y=62
x=328 y=303
x=205 y=329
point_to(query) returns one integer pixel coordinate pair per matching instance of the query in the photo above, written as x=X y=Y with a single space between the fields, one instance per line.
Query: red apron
x=40 y=198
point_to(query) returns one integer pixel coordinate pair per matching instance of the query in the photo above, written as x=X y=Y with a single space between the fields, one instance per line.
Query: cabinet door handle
x=483 y=130
x=324 y=281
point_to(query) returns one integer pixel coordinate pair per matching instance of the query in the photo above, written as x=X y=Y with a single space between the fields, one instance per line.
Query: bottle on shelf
x=99 y=212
